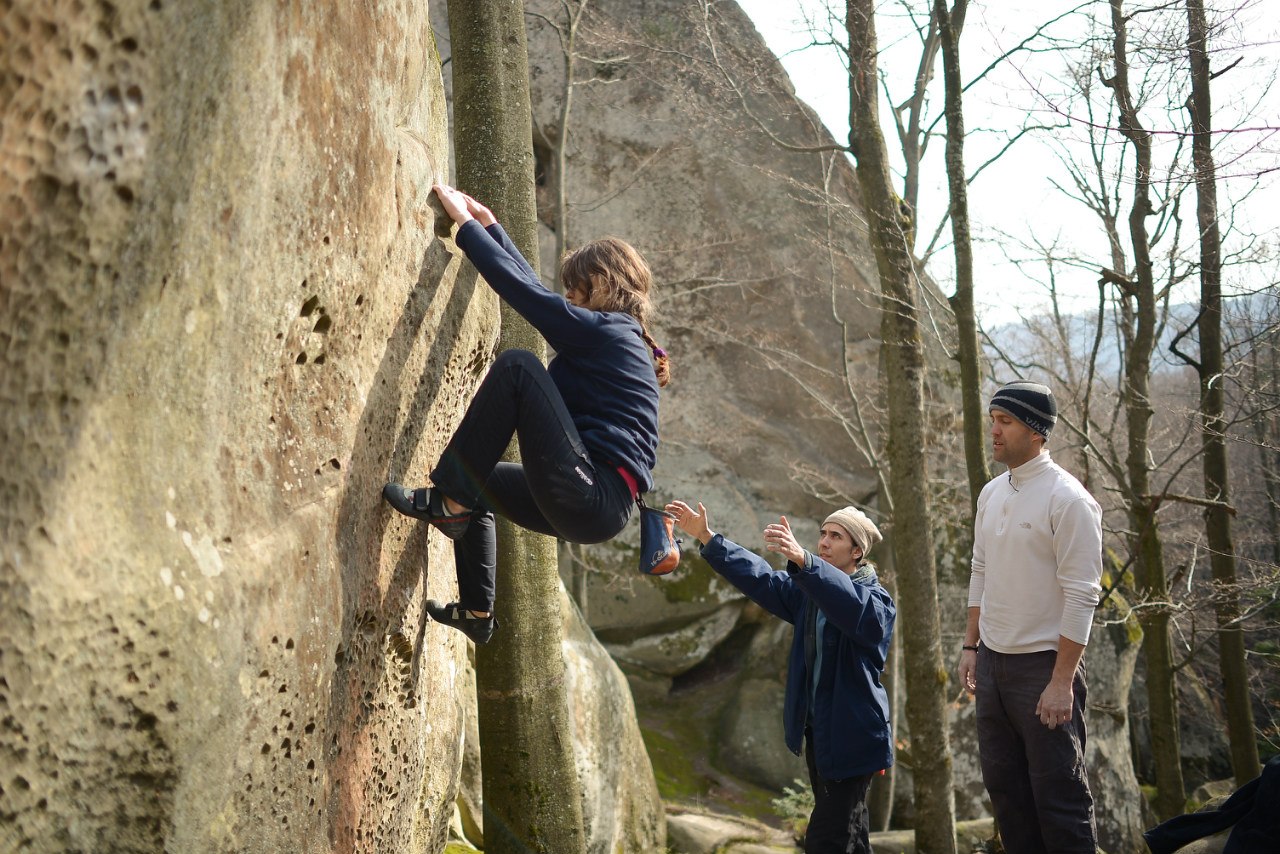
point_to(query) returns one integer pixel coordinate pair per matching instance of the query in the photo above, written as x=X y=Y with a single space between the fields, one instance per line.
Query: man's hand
x=778 y=538
x=1054 y=707
x=968 y=670
x=695 y=524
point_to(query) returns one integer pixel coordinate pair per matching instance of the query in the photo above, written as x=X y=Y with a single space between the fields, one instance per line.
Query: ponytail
x=661 y=361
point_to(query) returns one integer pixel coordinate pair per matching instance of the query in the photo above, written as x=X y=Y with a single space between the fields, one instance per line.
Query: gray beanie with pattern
x=1031 y=403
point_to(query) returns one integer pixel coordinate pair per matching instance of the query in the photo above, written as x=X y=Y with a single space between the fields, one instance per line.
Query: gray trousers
x=1035 y=775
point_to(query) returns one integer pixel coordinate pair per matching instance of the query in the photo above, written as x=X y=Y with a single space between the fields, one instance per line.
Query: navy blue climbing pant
x=556 y=489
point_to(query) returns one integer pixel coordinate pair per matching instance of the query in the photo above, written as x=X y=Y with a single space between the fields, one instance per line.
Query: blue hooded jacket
x=602 y=367
x=850 y=714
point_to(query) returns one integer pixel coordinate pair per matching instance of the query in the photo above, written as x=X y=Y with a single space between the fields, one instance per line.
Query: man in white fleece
x=1037 y=567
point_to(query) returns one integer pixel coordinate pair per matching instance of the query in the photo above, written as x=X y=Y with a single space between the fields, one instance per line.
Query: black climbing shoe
x=479 y=629
x=428 y=505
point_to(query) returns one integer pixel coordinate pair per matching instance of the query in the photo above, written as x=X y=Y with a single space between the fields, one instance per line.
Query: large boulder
x=1203 y=742
x=627 y=607
x=694 y=831
x=673 y=651
x=621 y=806
x=751 y=741
x=1120 y=810
x=225 y=322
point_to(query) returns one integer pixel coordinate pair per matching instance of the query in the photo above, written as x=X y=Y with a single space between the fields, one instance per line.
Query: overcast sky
x=1016 y=196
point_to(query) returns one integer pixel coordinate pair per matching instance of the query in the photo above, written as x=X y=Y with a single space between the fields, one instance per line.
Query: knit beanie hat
x=864 y=532
x=1031 y=403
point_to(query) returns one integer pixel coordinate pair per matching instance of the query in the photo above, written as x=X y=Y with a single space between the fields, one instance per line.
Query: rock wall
x=224 y=322
x=621 y=807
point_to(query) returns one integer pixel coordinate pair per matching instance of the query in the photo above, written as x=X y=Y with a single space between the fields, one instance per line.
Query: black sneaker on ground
x=428 y=505
x=479 y=629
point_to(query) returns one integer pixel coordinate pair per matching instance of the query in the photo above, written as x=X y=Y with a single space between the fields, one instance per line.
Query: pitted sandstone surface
x=225 y=321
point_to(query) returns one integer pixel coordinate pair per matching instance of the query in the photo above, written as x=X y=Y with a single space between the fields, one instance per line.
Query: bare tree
x=950 y=25
x=1140 y=304
x=903 y=349
x=1222 y=556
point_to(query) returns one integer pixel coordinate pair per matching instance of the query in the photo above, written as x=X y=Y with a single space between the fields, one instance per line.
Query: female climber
x=587 y=423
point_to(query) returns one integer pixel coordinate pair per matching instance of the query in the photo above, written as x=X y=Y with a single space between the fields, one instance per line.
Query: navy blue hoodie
x=850 y=714
x=602 y=367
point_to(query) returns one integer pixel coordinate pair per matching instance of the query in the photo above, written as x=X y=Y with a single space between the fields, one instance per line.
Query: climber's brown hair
x=613 y=276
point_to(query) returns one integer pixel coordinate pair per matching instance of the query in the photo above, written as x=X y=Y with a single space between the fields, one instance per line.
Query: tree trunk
x=911 y=135
x=880 y=800
x=950 y=25
x=888 y=224
x=532 y=795
x=1222 y=555
x=1268 y=464
x=569 y=43
x=1162 y=699
x=575 y=570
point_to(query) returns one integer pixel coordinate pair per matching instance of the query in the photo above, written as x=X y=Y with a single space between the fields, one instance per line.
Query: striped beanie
x=1031 y=403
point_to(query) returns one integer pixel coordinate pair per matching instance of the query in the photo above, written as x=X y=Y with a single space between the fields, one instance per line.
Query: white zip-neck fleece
x=1037 y=558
